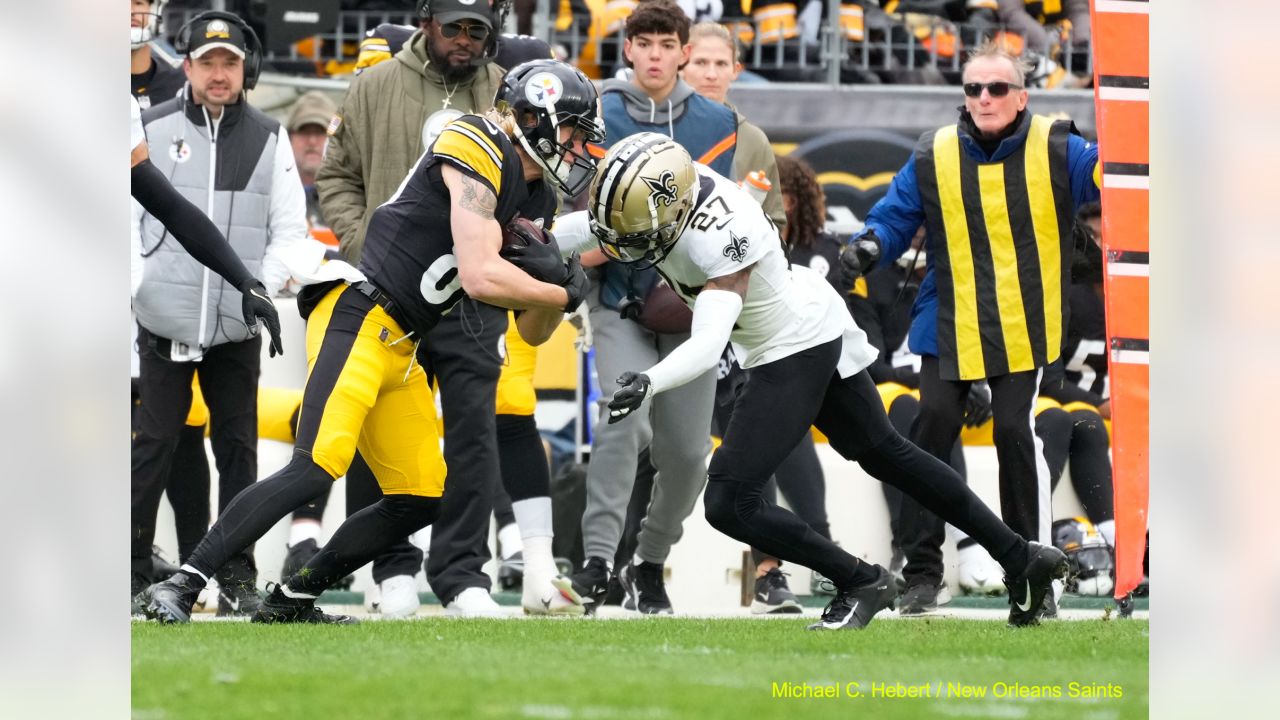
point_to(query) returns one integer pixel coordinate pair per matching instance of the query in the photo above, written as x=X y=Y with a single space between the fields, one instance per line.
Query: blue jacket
x=896 y=217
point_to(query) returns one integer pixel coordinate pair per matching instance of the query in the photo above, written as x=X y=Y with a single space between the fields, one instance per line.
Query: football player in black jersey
x=435 y=240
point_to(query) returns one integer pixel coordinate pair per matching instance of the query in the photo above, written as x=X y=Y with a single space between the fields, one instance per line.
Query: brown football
x=522 y=231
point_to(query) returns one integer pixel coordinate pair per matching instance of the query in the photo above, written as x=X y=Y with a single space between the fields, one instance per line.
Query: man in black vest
x=996 y=193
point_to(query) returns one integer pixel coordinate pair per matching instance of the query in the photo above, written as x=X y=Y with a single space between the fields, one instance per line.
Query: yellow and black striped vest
x=1000 y=242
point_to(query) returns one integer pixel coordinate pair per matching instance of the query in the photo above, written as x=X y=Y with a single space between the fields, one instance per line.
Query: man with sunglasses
x=996 y=193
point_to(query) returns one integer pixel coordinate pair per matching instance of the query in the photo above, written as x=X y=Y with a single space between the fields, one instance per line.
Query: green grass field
x=645 y=669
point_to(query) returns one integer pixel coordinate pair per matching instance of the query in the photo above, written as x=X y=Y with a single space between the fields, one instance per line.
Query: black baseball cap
x=451 y=11
x=217 y=33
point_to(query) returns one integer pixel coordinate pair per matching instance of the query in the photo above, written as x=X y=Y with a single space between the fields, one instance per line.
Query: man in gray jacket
x=235 y=163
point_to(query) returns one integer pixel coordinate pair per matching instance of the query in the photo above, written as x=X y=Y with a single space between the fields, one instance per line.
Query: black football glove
x=256 y=305
x=541 y=260
x=575 y=283
x=977 y=406
x=858 y=257
x=635 y=388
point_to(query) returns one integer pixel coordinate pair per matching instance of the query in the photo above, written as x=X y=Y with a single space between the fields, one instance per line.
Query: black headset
x=253 y=46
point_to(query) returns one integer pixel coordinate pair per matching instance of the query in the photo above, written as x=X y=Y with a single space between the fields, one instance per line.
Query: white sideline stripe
x=1131 y=357
x=1129 y=269
x=1119 y=93
x=1127 y=182
x=1123 y=6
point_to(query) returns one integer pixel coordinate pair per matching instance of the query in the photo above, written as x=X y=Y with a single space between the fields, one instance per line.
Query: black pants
x=229 y=380
x=1024 y=478
x=778 y=404
x=1081 y=437
x=463 y=355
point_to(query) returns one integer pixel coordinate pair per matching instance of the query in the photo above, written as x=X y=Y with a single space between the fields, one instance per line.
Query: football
x=522 y=231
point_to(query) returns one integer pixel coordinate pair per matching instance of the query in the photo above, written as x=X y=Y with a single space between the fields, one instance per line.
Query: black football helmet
x=545 y=96
x=1092 y=560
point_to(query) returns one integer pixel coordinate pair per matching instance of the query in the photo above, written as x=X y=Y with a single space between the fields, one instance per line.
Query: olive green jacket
x=378 y=136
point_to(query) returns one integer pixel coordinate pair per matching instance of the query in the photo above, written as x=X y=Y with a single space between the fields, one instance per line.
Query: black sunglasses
x=999 y=88
x=476 y=32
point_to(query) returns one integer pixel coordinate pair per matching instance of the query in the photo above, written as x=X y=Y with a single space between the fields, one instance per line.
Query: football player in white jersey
x=650 y=203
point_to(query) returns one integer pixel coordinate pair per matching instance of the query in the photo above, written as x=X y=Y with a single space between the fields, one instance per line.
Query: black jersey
x=1084 y=353
x=823 y=257
x=408 y=250
x=162 y=82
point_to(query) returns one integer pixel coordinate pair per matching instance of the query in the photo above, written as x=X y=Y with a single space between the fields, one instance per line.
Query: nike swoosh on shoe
x=1027 y=606
x=846 y=619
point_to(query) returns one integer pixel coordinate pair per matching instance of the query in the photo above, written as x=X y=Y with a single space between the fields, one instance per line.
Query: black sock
x=1015 y=558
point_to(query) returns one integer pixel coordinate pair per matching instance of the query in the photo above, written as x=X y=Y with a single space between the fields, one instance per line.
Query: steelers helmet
x=544 y=96
x=1090 y=557
x=642 y=197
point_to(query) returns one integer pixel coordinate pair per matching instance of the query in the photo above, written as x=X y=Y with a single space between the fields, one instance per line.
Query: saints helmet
x=1091 y=560
x=544 y=96
x=149 y=29
x=641 y=198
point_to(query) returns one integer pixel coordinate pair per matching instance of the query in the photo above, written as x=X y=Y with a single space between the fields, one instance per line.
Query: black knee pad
x=412 y=510
x=1053 y=422
x=1089 y=429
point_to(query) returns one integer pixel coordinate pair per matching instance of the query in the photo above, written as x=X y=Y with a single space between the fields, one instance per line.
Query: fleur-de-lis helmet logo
x=662 y=190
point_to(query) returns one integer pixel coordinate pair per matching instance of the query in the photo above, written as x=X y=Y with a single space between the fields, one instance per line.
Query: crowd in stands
x=660 y=71
x=880 y=41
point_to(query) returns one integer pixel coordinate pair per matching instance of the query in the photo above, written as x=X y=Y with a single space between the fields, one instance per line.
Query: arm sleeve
x=287 y=219
x=340 y=181
x=897 y=215
x=1082 y=160
x=573 y=233
x=193 y=229
x=714 y=314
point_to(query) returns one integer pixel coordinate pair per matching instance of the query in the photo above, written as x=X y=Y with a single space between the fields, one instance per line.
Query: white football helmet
x=145 y=26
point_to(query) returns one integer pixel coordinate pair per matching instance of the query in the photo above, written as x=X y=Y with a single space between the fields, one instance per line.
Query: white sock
x=1107 y=529
x=192 y=571
x=302 y=531
x=509 y=541
x=533 y=516
x=539 y=564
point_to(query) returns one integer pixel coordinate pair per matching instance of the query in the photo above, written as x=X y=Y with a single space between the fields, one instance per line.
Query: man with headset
x=234 y=163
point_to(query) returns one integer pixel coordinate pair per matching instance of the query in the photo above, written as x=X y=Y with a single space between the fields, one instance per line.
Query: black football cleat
x=171 y=601
x=237 y=594
x=592 y=583
x=645 y=590
x=160 y=567
x=773 y=596
x=854 y=608
x=923 y=598
x=1028 y=589
x=511 y=572
x=278 y=608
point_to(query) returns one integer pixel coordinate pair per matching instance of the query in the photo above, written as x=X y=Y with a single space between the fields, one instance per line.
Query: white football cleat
x=978 y=574
x=474 y=602
x=399 y=597
x=554 y=597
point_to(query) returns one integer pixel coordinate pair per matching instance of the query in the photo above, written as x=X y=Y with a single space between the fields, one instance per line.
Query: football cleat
x=237 y=595
x=773 y=596
x=923 y=598
x=399 y=596
x=854 y=608
x=558 y=598
x=1027 y=590
x=279 y=608
x=592 y=583
x=474 y=602
x=160 y=567
x=170 y=601
x=978 y=574
x=645 y=591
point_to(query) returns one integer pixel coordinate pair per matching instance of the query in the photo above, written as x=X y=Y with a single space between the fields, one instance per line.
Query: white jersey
x=786 y=310
x=136 y=134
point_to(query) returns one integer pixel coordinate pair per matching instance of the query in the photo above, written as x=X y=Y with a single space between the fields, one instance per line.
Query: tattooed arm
x=477 y=237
